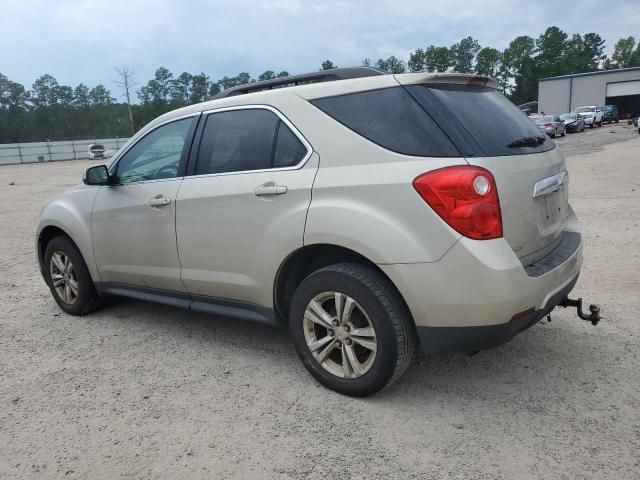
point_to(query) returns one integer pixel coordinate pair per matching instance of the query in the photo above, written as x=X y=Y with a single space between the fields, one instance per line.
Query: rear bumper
x=480 y=286
x=473 y=339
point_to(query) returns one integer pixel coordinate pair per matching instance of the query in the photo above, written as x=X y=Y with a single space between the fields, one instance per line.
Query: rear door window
x=488 y=120
x=245 y=140
x=390 y=118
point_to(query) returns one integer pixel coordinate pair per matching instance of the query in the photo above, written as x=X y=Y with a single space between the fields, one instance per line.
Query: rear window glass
x=585 y=109
x=488 y=120
x=390 y=118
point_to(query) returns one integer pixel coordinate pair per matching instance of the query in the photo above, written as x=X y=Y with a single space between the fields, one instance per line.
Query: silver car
x=552 y=125
x=375 y=216
x=573 y=122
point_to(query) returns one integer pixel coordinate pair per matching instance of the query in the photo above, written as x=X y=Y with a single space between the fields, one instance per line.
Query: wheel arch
x=308 y=259
x=48 y=233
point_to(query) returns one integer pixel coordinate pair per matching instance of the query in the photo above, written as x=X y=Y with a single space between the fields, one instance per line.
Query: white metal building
x=563 y=94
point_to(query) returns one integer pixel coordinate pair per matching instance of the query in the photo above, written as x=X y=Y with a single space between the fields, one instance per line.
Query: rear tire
x=68 y=277
x=564 y=131
x=376 y=312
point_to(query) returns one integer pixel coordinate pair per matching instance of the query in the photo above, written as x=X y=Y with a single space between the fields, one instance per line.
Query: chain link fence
x=16 y=153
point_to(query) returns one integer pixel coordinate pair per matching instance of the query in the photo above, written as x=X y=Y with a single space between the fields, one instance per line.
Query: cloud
x=81 y=40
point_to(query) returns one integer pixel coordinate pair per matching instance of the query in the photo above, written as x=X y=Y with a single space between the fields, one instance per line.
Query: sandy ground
x=145 y=391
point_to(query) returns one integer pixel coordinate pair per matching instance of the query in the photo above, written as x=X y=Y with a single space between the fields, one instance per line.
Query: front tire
x=68 y=277
x=351 y=329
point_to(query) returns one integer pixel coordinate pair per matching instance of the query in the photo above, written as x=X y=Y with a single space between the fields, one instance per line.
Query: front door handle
x=270 y=189
x=159 y=201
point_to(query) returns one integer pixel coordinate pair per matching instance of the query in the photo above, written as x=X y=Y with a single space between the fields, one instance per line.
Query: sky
x=82 y=41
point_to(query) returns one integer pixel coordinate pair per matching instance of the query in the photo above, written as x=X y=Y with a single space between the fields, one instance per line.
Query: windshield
x=568 y=116
x=544 y=119
x=585 y=109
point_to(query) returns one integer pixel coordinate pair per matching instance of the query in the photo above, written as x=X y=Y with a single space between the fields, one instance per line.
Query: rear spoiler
x=450 y=78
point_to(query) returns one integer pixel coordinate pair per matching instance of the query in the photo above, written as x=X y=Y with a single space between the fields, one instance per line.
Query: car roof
x=326 y=88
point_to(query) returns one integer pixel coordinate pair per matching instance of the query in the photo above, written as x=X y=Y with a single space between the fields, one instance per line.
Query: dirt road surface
x=145 y=391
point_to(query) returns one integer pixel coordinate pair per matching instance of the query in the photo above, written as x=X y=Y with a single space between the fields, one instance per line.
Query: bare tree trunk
x=127 y=83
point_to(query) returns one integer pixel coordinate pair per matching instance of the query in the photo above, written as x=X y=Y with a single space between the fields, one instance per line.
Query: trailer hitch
x=594 y=318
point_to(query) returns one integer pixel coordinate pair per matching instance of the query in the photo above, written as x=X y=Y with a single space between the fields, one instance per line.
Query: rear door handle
x=159 y=201
x=270 y=189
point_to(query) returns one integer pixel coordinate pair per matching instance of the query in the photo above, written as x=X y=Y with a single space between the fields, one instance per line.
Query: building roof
x=587 y=74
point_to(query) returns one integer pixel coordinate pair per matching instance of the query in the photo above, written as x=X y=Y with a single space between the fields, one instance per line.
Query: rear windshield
x=544 y=119
x=585 y=109
x=487 y=121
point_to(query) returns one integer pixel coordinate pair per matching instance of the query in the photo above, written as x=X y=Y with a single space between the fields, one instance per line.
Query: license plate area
x=552 y=212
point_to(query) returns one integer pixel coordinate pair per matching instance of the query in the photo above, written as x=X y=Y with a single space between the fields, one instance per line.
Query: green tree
x=431 y=59
x=552 y=48
x=81 y=96
x=180 y=89
x=283 y=73
x=625 y=53
x=583 y=54
x=519 y=66
x=391 y=65
x=13 y=110
x=199 y=88
x=463 y=54
x=100 y=96
x=488 y=62
x=241 y=79
x=328 y=65
x=158 y=89
x=268 y=75
x=214 y=89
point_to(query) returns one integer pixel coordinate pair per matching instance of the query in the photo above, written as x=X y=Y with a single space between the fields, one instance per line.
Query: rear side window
x=488 y=120
x=289 y=150
x=390 y=118
x=244 y=140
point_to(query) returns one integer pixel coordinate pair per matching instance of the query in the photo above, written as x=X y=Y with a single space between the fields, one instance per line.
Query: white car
x=592 y=114
x=96 y=151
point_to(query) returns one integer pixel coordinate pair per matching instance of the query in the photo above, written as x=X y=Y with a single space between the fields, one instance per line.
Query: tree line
x=51 y=111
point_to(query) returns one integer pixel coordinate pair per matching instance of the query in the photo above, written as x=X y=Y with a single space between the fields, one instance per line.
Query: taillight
x=465 y=197
x=548 y=125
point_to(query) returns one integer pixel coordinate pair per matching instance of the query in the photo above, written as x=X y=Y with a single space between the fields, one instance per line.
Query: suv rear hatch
x=494 y=134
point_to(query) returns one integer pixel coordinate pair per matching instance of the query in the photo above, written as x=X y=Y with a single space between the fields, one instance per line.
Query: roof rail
x=314 y=77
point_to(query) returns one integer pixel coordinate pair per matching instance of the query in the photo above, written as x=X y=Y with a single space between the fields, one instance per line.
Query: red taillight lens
x=465 y=197
x=548 y=125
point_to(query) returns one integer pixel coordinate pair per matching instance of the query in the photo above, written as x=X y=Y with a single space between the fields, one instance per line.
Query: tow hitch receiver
x=594 y=318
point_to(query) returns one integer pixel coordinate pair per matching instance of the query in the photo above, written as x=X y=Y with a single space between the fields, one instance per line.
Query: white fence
x=14 y=153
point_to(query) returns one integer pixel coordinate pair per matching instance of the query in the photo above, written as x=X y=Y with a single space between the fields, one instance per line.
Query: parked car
x=573 y=122
x=374 y=217
x=610 y=114
x=552 y=125
x=96 y=151
x=592 y=115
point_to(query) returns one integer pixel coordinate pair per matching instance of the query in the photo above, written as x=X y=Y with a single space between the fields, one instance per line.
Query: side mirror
x=98 y=175
x=109 y=153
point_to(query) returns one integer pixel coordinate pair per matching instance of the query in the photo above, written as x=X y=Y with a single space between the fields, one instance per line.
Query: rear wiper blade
x=527 y=142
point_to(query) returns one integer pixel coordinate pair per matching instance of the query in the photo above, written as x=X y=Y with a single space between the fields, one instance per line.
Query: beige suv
x=378 y=216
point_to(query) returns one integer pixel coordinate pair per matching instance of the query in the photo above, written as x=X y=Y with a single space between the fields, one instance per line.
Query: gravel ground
x=146 y=391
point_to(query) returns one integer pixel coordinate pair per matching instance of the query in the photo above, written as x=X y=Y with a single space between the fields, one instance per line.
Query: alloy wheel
x=63 y=277
x=340 y=335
